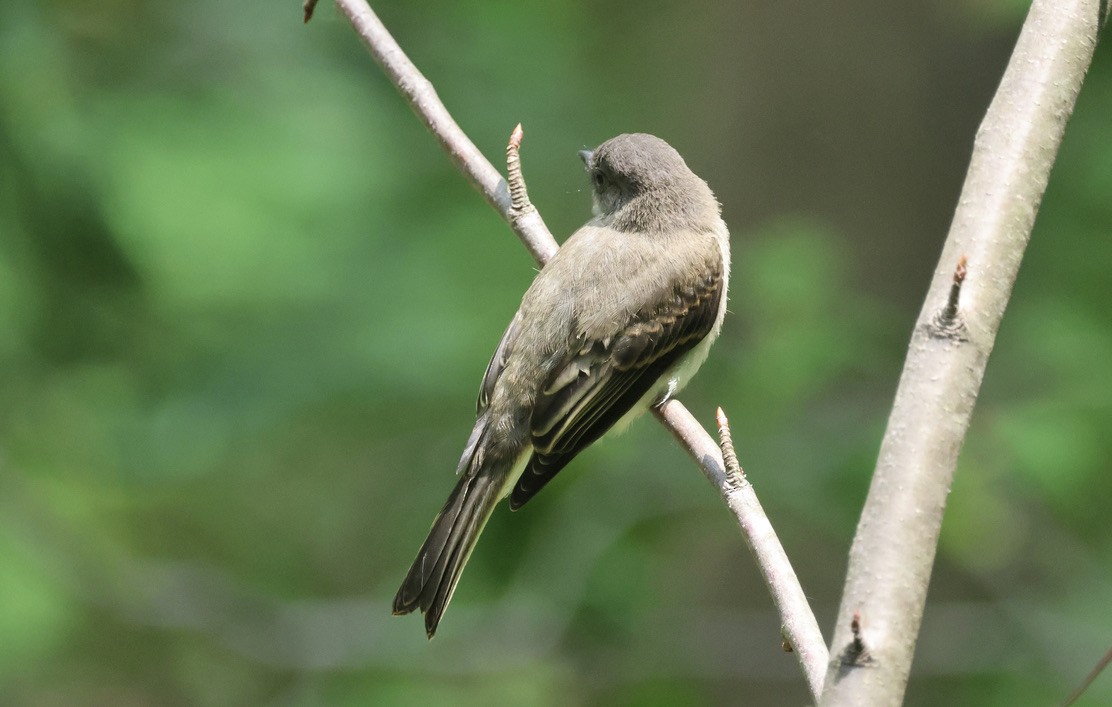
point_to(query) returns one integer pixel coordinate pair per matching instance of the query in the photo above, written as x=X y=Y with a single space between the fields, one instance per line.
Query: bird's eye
x=599 y=179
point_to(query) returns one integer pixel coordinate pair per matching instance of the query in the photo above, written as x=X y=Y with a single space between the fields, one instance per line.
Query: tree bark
x=894 y=547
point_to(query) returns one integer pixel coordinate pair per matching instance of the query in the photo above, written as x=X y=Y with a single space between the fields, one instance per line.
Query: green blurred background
x=246 y=301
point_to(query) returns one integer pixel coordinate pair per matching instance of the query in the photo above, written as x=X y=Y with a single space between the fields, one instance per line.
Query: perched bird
x=617 y=321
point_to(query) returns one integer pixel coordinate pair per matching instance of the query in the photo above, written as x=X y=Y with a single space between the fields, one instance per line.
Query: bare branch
x=519 y=195
x=893 y=551
x=797 y=622
x=422 y=98
x=1092 y=676
x=512 y=201
x=798 y=625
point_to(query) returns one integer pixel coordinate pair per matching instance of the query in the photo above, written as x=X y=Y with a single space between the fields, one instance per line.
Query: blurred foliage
x=245 y=303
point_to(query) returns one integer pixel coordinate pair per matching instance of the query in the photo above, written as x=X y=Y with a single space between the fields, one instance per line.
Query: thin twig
x=735 y=475
x=1089 y=679
x=422 y=98
x=798 y=627
x=897 y=537
x=797 y=620
x=948 y=317
x=525 y=220
x=519 y=195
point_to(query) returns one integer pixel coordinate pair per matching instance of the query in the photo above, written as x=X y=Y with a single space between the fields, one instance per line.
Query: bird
x=617 y=321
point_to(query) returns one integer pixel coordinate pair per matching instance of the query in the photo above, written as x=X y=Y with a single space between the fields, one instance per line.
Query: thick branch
x=800 y=627
x=893 y=551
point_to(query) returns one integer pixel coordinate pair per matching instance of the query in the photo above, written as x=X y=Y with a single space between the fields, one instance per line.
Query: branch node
x=519 y=196
x=948 y=323
x=856 y=654
x=735 y=475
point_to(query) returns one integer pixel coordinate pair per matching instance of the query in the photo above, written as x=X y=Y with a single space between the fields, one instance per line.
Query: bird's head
x=640 y=182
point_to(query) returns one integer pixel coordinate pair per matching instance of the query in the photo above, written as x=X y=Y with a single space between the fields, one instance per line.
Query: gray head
x=641 y=183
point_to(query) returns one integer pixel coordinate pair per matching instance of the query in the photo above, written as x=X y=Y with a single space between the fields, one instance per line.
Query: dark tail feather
x=432 y=578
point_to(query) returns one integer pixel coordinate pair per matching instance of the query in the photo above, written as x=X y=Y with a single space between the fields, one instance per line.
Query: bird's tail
x=432 y=578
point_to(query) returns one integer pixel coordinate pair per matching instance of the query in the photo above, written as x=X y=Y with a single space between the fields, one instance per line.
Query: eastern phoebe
x=617 y=321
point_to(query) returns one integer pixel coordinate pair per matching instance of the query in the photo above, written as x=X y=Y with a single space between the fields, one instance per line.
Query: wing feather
x=594 y=388
x=497 y=363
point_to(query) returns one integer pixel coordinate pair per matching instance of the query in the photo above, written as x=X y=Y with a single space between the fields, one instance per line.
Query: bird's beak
x=587 y=156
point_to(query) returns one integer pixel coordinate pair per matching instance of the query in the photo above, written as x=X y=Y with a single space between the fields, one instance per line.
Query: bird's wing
x=497 y=363
x=597 y=384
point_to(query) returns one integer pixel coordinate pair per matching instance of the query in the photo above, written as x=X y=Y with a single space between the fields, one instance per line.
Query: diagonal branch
x=511 y=201
x=720 y=466
x=893 y=550
x=1089 y=679
x=421 y=97
x=801 y=631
